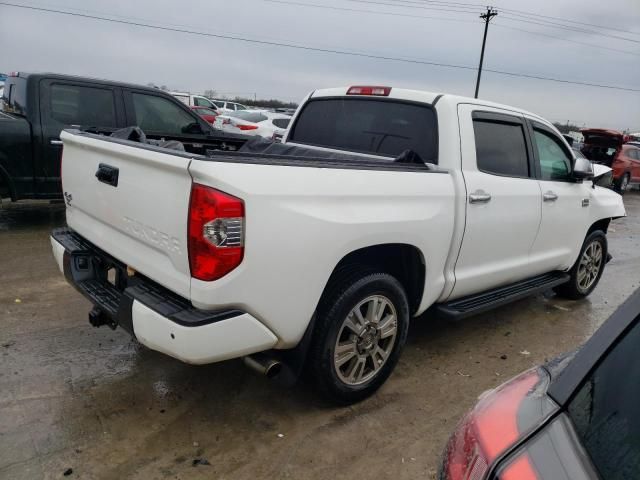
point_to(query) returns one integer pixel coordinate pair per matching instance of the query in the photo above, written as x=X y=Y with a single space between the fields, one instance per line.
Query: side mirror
x=582 y=169
x=193 y=128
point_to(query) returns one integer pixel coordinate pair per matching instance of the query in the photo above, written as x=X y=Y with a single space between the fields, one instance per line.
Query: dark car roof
x=101 y=81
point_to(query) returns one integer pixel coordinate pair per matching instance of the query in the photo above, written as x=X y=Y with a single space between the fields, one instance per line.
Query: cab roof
x=422 y=96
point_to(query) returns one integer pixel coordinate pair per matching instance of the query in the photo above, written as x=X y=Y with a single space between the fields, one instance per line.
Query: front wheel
x=361 y=328
x=586 y=272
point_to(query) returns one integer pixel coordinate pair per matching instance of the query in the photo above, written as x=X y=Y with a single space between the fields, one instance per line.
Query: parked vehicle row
x=377 y=207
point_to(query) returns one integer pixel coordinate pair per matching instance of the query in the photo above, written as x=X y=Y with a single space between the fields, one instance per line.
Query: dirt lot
x=91 y=400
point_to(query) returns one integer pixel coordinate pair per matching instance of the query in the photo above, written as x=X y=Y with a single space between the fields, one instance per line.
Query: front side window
x=606 y=411
x=85 y=106
x=157 y=114
x=501 y=148
x=368 y=125
x=240 y=107
x=555 y=163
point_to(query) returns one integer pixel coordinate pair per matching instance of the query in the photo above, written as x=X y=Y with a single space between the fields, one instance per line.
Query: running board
x=482 y=302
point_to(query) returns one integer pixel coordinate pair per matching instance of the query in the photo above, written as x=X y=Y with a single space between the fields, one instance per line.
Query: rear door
x=65 y=104
x=565 y=203
x=131 y=200
x=503 y=200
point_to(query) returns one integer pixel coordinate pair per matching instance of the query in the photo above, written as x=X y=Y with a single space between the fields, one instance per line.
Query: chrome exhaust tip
x=263 y=364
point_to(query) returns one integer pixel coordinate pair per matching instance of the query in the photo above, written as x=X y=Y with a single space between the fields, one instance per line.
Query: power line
x=357 y=10
x=408 y=15
x=453 y=9
x=546 y=23
x=592 y=45
x=316 y=49
x=510 y=16
x=528 y=14
x=603 y=27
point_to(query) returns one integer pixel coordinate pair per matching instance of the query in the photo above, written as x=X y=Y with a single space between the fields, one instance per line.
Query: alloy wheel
x=365 y=340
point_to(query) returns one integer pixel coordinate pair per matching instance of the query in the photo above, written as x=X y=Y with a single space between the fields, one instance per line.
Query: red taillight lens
x=519 y=469
x=247 y=127
x=216 y=233
x=491 y=428
x=375 y=91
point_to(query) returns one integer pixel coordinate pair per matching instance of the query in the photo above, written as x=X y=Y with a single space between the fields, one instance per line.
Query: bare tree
x=210 y=93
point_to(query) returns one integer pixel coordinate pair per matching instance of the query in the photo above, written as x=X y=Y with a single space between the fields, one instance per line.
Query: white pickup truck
x=381 y=204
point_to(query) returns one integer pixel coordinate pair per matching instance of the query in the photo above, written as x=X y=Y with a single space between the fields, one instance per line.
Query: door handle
x=107 y=174
x=550 y=196
x=55 y=142
x=479 y=196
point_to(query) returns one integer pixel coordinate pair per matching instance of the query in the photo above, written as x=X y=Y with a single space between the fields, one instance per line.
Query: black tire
x=622 y=185
x=572 y=289
x=346 y=290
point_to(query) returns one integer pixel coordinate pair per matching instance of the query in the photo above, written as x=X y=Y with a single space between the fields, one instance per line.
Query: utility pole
x=491 y=12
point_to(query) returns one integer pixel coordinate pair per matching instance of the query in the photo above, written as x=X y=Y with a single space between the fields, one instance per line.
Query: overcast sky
x=42 y=41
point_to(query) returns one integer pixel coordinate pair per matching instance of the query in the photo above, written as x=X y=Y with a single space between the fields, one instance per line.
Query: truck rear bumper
x=158 y=318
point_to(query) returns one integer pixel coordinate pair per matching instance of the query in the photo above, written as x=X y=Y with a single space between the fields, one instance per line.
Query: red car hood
x=601 y=136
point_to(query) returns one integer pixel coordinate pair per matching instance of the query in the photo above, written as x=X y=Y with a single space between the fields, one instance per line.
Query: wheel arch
x=602 y=224
x=403 y=261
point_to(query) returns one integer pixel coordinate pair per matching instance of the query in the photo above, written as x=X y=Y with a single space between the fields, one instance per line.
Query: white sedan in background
x=265 y=124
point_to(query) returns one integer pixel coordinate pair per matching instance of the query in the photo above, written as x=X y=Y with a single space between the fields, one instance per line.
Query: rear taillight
x=247 y=127
x=375 y=91
x=495 y=424
x=216 y=232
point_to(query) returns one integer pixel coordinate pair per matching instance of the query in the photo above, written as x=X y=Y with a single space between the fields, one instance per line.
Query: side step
x=482 y=302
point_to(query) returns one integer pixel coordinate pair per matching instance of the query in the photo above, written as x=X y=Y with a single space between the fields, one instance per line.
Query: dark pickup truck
x=35 y=108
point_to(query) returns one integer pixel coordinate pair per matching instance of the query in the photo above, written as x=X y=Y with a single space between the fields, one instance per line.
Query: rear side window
x=281 y=122
x=373 y=126
x=86 y=106
x=501 y=148
x=157 y=114
x=14 y=96
x=606 y=411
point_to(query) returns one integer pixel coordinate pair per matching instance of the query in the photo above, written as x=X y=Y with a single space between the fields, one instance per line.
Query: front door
x=565 y=203
x=503 y=200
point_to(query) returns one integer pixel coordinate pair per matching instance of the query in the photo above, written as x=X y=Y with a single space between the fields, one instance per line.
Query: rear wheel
x=361 y=329
x=623 y=184
x=586 y=272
